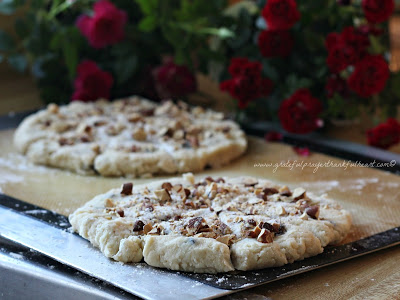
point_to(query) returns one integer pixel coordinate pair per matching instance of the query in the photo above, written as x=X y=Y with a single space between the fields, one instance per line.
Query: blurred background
x=332 y=67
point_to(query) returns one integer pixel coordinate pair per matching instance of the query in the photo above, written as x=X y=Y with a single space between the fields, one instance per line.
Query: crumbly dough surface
x=129 y=137
x=212 y=225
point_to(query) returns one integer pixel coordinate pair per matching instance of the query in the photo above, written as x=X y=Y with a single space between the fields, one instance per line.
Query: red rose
x=247 y=83
x=91 y=82
x=340 y=56
x=173 y=81
x=354 y=38
x=369 y=76
x=275 y=43
x=335 y=84
x=236 y=65
x=345 y=48
x=281 y=14
x=105 y=27
x=332 y=39
x=242 y=88
x=384 y=135
x=299 y=113
x=377 y=11
x=368 y=29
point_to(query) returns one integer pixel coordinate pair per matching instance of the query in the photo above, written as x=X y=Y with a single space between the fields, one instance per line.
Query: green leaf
x=17 y=62
x=57 y=41
x=125 y=68
x=270 y=71
x=376 y=47
x=21 y=28
x=70 y=53
x=181 y=57
x=395 y=85
x=148 y=23
x=37 y=4
x=7 y=43
x=148 y=7
x=7 y=7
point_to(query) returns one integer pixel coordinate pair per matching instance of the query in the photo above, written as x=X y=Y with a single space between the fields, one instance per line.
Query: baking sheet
x=372 y=196
x=16 y=215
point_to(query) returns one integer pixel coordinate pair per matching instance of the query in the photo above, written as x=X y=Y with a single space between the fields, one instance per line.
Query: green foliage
x=7 y=42
x=186 y=25
x=341 y=108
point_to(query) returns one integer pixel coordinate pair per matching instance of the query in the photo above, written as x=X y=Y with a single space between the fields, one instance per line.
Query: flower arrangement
x=297 y=62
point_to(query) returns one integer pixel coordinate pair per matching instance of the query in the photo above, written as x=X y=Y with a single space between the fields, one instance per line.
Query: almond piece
x=254 y=233
x=249 y=181
x=285 y=191
x=162 y=195
x=265 y=236
x=280 y=210
x=147 y=228
x=224 y=239
x=299 y=193
x=189 y=177
x=166 y=186
x=52 y=108
x=109 y=203
x=313 y=211
x=127 y=189
x=138 y=226
x=139 y=134
x=304 y=216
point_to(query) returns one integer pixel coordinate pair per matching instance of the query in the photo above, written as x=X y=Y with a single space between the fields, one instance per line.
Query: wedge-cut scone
x=129 y=137
x=212 y=225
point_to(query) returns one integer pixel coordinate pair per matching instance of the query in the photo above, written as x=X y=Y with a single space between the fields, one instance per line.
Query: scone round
x=129 y=137
x=211 y=226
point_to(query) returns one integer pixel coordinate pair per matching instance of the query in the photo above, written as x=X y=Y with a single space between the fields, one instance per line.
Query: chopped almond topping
x=127 y=189
x=224 y=239
x=177 y=187
x=285 y=191
x=280 y=210
x=147 y=228
x=254 y=233
x=209 y=179
x=270 y=191
x=135 y=117
x=138 y=226
x=313 y=211
x=189 y=177
x=109 y=203
x=249 y=181
x=265 y=236
x=299 y=193
x=252 y=222
x=167 y=186
x=53 y=108
x=139 y=134
x=163 y=195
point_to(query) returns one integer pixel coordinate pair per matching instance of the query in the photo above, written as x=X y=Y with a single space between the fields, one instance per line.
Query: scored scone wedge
x=211 y=225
